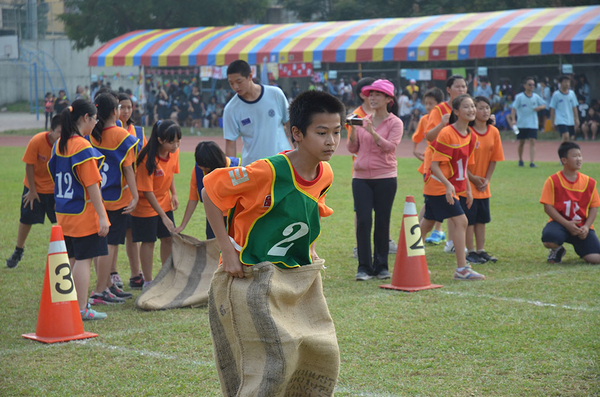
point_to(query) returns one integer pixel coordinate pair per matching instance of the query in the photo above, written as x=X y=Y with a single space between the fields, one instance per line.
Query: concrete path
x=21 y=121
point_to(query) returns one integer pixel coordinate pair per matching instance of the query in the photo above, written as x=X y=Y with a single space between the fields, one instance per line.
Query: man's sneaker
x=116 y=280
x=362 y=276
x=384 y=275
x=521 y=163
x=91 y=314
x=436 y=237
x=393 y=247
x=556 y=255
x=104 y=298
x=532 y=165
x=355 y=252
x=487 y=257
x=467 y=273
x=136 y=282
x=473 y=257
x=14 y=259
x=119 y=293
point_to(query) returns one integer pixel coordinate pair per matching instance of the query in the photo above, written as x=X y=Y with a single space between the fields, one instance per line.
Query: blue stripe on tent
x=547 y=43
x=414 y=46
x=463 y=47
x=154 y=57
x=279 y=47
x=388 y=50
x=577 y=41
x=340 y=53
x=492 y=44
x=211 y=60
x=137 y=57
x=264 y=41
x=318 y=52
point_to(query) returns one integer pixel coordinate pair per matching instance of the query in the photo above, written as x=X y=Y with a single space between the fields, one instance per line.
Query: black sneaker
x=14 y=259
x=473 y=257
x=521 y=164
x=556 y=255
x=136 y=282
x=118 y=292
x=487 y=257
x=532 y=165
x=384 y=275
x=104 y=298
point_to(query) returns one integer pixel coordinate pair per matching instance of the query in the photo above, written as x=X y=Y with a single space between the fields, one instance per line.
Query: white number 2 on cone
x=62 y=286
x=412 y=233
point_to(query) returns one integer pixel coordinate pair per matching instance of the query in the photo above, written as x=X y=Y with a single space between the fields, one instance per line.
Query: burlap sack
x=272 y=332
x=184 y=279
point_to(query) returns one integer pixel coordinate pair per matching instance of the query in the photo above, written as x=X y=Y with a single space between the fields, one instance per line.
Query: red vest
x=573 y=204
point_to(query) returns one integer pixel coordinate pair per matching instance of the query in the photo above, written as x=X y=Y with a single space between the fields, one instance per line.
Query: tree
x=345 y=10
x=88 y=20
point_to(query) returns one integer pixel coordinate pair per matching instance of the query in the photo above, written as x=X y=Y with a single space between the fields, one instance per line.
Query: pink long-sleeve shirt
x=377 y=161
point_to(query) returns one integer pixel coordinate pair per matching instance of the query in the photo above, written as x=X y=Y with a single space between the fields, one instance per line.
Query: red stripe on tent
x=296 y=54
x=519 y=46
x=562 y=43
x=477 y=47
x=329 y=52
x=234 y=52
x=364 y=52
x=119 y=57
x=265 y=51
x=202 y=56
x=94 y=57
x=173 y=59
x=401 y=48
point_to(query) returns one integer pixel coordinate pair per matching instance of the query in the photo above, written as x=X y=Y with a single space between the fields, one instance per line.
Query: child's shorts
x=562 y=129
x=438 y=209
x=556 y=233
x=41 y=209
x=147 y=230
x=527 y=133
x=118 y=227
x=87 y=247
x=479 y=211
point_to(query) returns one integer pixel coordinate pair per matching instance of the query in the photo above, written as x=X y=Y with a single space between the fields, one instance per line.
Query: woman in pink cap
x=374 y=177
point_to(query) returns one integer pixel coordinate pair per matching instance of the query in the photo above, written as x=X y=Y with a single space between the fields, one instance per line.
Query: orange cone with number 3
x=59 y=319
x=410 y=270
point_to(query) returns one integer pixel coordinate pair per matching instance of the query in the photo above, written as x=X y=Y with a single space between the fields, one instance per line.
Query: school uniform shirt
x=433 y=119
x=195 y=189
x=259 y=123
x=420 y=132
x=38 y=153
x=132 y=132
x=112 y=138
x=377 y=161
x=447 y=149
x=487 y=149
x=563 y=105
x=248 y=189
x=525 y=106
x=86 y=223
x=159 y=183
x=572 y=200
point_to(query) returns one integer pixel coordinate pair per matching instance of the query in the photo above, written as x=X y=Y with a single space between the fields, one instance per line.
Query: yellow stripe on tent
x=162 y=58
x=352 y=48
x=502 y=46
x=535 y=45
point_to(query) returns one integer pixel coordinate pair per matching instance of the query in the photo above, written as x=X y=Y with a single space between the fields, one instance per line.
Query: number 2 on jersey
x=67 y=179
x=278 y=249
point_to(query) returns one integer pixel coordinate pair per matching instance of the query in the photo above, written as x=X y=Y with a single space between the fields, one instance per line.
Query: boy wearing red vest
x=571 y=200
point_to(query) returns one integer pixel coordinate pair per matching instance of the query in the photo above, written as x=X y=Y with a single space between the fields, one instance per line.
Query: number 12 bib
x=283 y=235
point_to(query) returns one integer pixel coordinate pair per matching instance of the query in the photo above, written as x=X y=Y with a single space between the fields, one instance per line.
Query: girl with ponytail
x=157 y=164
x=74 y=167
x=119 y=191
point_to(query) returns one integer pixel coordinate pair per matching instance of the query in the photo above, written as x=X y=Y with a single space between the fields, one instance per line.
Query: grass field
x=530 y=329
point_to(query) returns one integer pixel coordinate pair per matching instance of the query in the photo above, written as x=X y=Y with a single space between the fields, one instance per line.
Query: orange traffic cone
x=410 y=269
x=59 y=319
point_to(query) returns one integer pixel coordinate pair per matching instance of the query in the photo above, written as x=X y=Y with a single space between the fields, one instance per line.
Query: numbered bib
x=414 y=242
x=62 y=286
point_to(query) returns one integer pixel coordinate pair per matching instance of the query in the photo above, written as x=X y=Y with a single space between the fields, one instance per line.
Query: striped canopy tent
x=542 y=31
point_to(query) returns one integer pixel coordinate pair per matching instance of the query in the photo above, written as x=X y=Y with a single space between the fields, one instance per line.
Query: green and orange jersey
x=38 y=153
x=158 y=182
x=454 y=152
x=247 y=192
x=572 y=200
x=487 y=149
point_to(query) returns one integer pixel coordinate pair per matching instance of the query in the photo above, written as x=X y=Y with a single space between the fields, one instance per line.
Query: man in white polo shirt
x=525 y=108
x=258 y=113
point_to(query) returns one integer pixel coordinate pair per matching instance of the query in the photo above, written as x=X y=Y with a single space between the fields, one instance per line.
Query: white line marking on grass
x=146 y=353
x=520 y=300
x=355 y=392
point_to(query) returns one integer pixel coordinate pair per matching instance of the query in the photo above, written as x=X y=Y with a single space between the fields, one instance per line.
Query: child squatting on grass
x=571 y=200
x=274 y=207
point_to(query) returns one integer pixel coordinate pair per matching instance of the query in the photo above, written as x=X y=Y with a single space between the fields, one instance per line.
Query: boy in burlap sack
x=271 y=329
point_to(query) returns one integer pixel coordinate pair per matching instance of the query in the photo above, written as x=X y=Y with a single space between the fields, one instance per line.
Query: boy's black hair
x=563 y=77
x=436 y=94
x=125 y=97
x=365 y=81
x=55 y=122
x=526 y=79
x=208 y=154
x=239 y=66
x=309 y=103
x=106 y=104
x=563 y=149
x=166 y=130
x=69 y=117
x=48 y=93
x=484 y=99
x=452 y=79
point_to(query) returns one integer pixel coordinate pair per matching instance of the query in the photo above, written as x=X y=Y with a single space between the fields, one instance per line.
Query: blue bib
x=112 y=170
x=69 y=192
x=139 y=133
x=231 y=162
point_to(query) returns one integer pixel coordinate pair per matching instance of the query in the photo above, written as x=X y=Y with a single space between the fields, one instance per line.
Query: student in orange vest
x=438 y=119
x=447 y=179
x=571 y=200
x=38 y=192
x=488 y=151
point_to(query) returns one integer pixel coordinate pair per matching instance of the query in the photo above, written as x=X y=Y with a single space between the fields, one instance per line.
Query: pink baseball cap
x=380 y=85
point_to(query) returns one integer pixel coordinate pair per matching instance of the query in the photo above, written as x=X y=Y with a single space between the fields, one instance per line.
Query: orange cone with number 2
x=410 y=270
x=59 y=319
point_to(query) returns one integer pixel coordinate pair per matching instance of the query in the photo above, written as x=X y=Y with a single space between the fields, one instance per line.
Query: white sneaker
x=393 y=247
x=449 y=247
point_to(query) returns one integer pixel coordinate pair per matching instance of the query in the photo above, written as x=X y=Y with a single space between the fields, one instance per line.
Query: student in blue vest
x=279 y=195
x=209 y=157
x=119 y=191
x=74 y=167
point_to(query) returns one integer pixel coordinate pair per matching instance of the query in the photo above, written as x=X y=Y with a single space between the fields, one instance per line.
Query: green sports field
x=530 y=329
